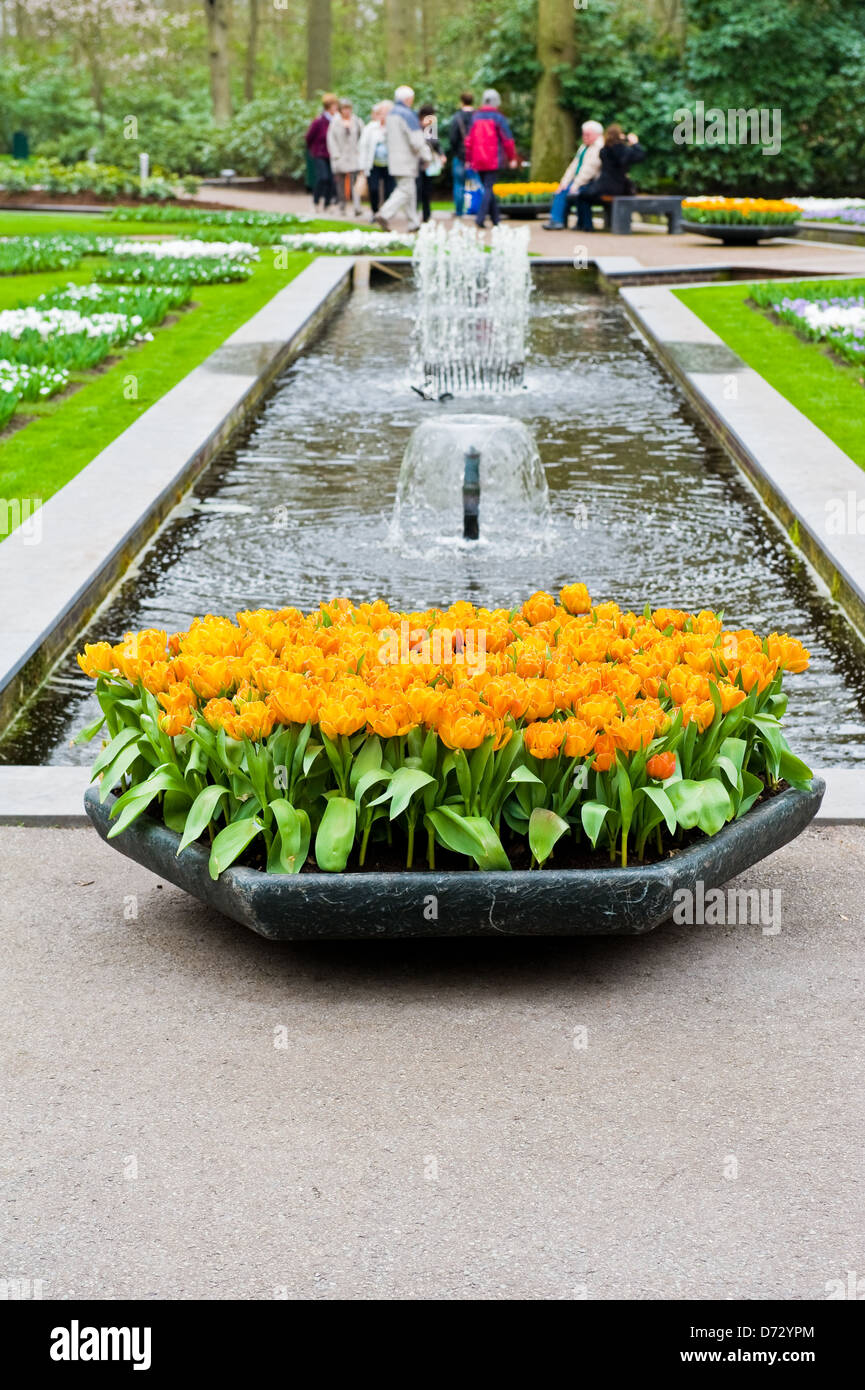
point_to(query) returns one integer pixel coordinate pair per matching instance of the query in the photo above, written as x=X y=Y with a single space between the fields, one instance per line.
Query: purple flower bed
x=837 y=320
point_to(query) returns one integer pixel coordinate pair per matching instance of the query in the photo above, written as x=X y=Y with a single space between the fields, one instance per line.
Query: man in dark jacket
x=489 y=147
x=457 y=132
x=324 y=188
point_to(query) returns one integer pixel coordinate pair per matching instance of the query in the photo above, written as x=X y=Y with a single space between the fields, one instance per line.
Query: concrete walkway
x=192 y=1112
x=649 y=244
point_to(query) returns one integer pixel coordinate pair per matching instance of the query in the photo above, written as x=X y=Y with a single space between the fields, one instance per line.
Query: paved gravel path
x=193 y=1112
x=649 y=244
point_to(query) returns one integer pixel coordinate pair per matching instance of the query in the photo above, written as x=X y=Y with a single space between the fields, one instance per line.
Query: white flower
x=61 y=322
x=355 y=242
x=182 y=248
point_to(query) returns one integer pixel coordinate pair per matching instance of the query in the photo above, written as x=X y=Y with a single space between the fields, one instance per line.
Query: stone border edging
x=796 y=469
x=95 y=526
x=832 y=233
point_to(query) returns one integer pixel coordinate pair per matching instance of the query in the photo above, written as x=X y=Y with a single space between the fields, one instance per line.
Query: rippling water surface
x=644 y=507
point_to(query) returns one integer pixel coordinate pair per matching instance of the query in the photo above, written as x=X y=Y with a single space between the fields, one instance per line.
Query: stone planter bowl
x=549 y=902
x=740 y=235
x=525 y=212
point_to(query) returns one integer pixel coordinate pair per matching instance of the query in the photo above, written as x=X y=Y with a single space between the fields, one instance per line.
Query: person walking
x=323 y=190
x=373 y=156
x=407 y=150
x=583 y=168
x=618 y=154
x=489 y=147
x=427 y=117
x=343 y=146
x=458 y=129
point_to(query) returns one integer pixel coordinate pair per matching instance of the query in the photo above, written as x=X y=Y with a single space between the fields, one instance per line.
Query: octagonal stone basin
x=550 y=902
x=740 y=234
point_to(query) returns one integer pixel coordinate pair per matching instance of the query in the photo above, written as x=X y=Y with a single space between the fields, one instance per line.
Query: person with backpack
x=458 y=129
x=489 y=148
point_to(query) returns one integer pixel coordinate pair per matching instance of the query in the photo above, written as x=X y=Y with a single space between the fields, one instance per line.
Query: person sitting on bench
x=619 y=152
x=583 y=168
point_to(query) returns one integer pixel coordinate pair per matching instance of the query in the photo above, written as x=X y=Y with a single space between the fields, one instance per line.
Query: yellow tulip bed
x=525 y=192
x=759 y=212
x=498 y=733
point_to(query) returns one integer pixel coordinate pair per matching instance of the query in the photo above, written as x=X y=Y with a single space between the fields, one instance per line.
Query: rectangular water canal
x=643 y=506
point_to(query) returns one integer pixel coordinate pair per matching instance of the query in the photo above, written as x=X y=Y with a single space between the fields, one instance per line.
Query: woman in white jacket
x=343 y=145
x=373 y=156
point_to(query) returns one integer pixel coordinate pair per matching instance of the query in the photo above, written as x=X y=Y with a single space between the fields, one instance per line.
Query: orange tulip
x=661 y=766
x=97 y=657
x=544 y=738
x=575 y=597
x=539 y=608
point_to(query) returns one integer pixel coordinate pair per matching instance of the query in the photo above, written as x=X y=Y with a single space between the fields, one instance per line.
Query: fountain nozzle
x=471 y=494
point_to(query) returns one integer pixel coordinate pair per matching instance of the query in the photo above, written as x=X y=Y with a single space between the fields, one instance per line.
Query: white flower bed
x=827 y=207
x=840 y=322
x=31 y=381
x=62 y=322
x=353 y=243
x=182 y=248
x=827 y=315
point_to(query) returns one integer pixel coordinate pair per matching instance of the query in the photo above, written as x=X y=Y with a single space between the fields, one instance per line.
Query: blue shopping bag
x=473 y=194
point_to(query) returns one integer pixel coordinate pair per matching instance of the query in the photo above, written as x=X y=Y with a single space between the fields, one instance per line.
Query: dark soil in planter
x=382 y=858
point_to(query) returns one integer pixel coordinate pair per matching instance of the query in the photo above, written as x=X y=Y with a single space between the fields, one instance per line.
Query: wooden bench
x=619 y=210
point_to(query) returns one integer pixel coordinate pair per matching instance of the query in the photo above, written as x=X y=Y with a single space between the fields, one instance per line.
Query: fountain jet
x=471 y=495
x=449 y=461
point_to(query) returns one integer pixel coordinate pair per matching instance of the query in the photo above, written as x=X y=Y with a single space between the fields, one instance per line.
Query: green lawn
x=85 y=223
x=65 y=433
x=828 y=391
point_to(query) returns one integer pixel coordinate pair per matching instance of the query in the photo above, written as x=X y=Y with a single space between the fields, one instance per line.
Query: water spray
x=473 y=309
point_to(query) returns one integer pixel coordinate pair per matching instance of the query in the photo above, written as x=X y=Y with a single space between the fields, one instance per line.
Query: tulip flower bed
x=741 y=212
x=180 y=262
x=496 y=736
x=23 y=254
x=825 y=313
x=350 y=243
x=75 y=328
x=247 y=219
x=30 y=383
x=848 y=210
x=525 y=192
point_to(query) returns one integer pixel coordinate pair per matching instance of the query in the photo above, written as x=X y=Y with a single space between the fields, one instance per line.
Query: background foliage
x=72 y=73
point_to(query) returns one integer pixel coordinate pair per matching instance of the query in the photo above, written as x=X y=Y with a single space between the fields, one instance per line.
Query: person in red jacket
x=316 y=142
x=489 y=148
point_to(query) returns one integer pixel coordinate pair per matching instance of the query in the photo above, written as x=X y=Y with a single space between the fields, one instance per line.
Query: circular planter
x=525 y=212
x=548 y=902
x=733 y=235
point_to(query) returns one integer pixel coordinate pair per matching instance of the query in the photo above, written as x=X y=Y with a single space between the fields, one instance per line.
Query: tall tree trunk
x=429 y=33
x=318 y=35
x=251 y=52
x=397 y=18
x=554 y=131
x=218 y=13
